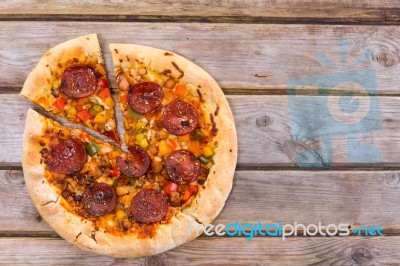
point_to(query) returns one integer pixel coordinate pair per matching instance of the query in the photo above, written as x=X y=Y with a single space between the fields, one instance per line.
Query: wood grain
x=218 y=251
x=265 y=129
x=248 y=10
x=353 y=197
x=239 y=56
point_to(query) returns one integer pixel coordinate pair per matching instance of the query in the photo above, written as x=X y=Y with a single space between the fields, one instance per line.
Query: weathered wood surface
x=248 y=10
x=264 y=130
x=246 y=55
x=241 y=57
x=218 y=251
x=353 y=197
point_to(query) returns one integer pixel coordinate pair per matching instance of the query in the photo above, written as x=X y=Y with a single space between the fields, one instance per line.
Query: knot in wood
x=362 y=255
x=12 y=177
x=263 y=121
x=392 y=179
x=386 y=59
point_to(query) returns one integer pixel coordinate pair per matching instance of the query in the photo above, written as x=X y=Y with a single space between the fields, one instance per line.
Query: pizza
x=70 y=81
x=177 y=170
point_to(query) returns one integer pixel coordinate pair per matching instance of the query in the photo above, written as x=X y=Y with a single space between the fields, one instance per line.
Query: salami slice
x=67 y=157
x=99 y=199
x=78 y=82
x=182 y=167
x=180 y=118
x=135 y=165
x=145 y=97
x=149 y=206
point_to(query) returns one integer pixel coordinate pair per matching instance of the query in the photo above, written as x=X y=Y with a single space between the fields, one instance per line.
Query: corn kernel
x=208 y=151
x=122 y=190
x=125 y=200
x=120 y=214
x=163 y=148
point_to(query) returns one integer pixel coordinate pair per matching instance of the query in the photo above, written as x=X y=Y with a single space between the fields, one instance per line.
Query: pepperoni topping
x=135 y=165
x=180 y=118
x=78 y=82
x=145 y=97
x=99 y=199
x=149 y=206
x=182 y=167
x=67 y=157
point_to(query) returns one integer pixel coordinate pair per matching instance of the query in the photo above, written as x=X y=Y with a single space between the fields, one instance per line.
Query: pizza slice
x=179 y=114
x=70 y=81
x=96 y=196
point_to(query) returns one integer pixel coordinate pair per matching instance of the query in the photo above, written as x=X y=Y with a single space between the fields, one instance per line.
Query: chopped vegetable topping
x=83 y=115
x=133 y=114
x=104 y=93
x=103 y=83
x=180 y=90
x=198 y=135
x=92 y=148
x=170 y=187
x=205 y=160
x=60 y=103
x=95 y=109
x=115 y=172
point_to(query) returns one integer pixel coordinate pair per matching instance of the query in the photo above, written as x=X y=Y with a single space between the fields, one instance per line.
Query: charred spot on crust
x=214 y=129
x=200 y=95
x=216 y=110
x=179 y=70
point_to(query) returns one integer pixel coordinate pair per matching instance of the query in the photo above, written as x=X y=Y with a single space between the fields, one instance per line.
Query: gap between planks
x=258 y=91
x=381 y=20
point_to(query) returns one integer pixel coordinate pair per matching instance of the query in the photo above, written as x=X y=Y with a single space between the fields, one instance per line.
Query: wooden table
x=260 y=52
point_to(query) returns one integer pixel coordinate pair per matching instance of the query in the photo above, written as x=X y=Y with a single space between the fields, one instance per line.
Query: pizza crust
x=75 y=229
x=210 y=200
x=48 y=71
x=203 y=209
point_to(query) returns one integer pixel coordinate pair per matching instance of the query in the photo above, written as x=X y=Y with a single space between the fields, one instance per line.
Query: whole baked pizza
x=180 y=138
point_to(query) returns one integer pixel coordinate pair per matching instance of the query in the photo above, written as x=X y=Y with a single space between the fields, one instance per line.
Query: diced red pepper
x=83 y=136
x=115 y=172
x=170 y=187
x=60 y=103
x=180 y=90
x=83 y=115
x=103 y=83
x=186 y=195
x=194 y=189
x=123 y=98
x=113 y=135
x=104 y=93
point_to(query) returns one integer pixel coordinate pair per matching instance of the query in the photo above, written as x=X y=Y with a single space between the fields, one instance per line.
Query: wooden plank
x=353 y=197
x=281 y=10
x=265 y=129
x=218 y=251
x=239 y=56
